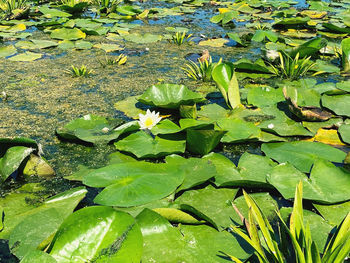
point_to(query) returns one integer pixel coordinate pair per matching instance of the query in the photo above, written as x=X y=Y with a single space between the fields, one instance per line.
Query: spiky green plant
x=79 y=72
x=107 y=6
x=108 y=61
x=292 y=68
x=179 y=38
x=273 y=246
x=12 y=7
x=201 y=71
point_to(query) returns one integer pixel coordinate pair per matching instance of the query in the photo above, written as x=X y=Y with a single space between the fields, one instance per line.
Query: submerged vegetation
x=180 y=147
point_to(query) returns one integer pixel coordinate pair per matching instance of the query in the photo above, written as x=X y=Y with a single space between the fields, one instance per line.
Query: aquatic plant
x=79 y=72
x=179 y=38
x=274 y=246
x=13 y=8
x=107 y=6
x=226 y=81
x=74 y=6
x=108 y=61
x=202 y=70
x=345 y=49
x=292 y=68
x=149 y=120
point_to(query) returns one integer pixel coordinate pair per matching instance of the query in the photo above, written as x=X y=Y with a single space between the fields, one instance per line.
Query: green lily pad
x=292 y=21
x=142 y=39
x=334 y=214
x=103 y=235
x=35 y=44
x=197 y=170
x=12 y=159
x=50 y=12
x=27 y=56
x=82 y=44
x=339 y=104
x=128 y=107
x=142 y=145
x=17 y=209
x=302 y=154
x=67 y=34
x=203 y=141
x=6 y=51
x=38 y=256
x=238 y=130
x=264 y=96
x=169 y=96
x=344 y=85
x=318 y=187
x=165 y=127
x=95 y=129
x=134 y=183
x=186 y=244
x=210 y=204
x=344 y=131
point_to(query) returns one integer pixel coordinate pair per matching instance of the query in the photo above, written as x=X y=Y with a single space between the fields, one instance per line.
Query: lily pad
x=334 y=214
x=142 y=39
x=12 y=159
x=6 y=51
x=169 y=96
x=27 y=56
x=302 y=154
x=143 y=145
x=202 y=141
x=67 y=34
x=134 y=183
x=318 y=187
x=238 y=130
x=344 y=131
x=339 y=104
x=217 y=42
x=95 y=129
x=104 y=234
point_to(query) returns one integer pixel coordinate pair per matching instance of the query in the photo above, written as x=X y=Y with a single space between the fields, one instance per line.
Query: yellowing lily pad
x=6 y=51
x=217 y=42
x=68 y=34
x=27 y=56
x=327 y=137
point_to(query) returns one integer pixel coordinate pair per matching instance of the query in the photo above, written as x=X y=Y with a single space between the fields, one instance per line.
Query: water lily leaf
x=169 y=96
x=335 y=28
x=95 y=129
x=210 y=204
x=264 y=96
x=165 y=127
x=315 y=126
x=339 y=104
x=293 y=21
x=104 y=234
x=236 y=37
x=129 y=10
x=142 y=145
x=16 y=28
x=35 y=44
x=27 y=56
x=302 y=154
x=177 y=216
x=74 y=8
x=203 y=141
x=334 y=214
x=327 y=136
x=50 y=12
x=344 y=85
x=82 y=44
x=319 y=228
x=128 y=107
x=325 y=67
x=344 y=131
x=66 y=44
x=17 y=210
x=109 y=47
x=68 y=34
x=309 y=47
x=261 y=35
x=177 y=244
x=38 y=256
x=217 y=42
x=142 y=39
x=238 y=130
x=134 y=183
x=246 y=65
x=277 y=122
x=6 y=51
x=197 y=170
x=345 y=47
x=12 y=159
x=318 y=187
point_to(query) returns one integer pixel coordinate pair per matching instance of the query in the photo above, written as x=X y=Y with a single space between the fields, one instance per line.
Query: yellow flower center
x=148 y=122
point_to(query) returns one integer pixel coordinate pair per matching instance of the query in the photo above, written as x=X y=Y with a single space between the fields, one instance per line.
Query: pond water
x=41 y=96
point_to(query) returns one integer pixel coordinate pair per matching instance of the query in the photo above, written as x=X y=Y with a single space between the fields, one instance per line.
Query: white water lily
x=272 y=54
x=148 y=120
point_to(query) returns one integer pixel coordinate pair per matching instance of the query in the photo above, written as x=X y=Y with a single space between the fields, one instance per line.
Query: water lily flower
x=148 y=120
x=272 y=54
